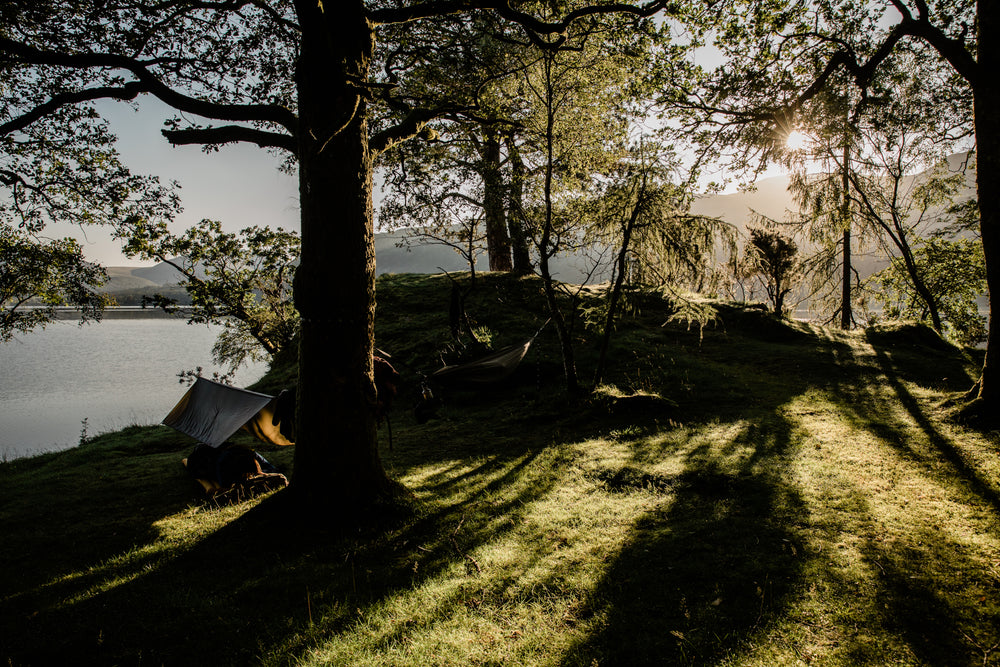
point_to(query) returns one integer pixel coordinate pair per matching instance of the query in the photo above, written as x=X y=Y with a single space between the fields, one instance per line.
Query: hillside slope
x=753 y=493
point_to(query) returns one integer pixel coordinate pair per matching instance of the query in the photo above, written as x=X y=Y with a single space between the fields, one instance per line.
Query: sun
x=796 y=140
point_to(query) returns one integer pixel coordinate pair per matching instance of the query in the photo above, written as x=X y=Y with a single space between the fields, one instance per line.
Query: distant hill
x=125 y=278
x=770 y=198
x=395 y=255
x=131 y=282
x=159 y=274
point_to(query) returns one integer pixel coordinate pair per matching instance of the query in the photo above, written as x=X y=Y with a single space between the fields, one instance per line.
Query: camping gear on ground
x=211 y=412
x=232 y=472
x=486 y=370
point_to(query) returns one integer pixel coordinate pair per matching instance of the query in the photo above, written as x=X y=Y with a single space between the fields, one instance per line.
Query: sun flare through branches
x=796 y=140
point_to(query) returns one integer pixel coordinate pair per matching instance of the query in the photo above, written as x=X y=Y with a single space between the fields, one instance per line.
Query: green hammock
x=486 y=370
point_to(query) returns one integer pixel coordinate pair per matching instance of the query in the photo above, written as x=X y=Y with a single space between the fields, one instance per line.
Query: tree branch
x=231 y=5
x=503 y=8
x=27 y=54
x=127 y=92
x=414 y=123
x=952 y=50
x=230 y=134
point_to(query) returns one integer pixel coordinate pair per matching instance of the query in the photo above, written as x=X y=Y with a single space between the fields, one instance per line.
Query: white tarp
x=212 y=412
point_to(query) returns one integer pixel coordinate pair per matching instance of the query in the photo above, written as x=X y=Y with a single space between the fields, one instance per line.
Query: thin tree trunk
x=846 y=312
x=919 y=285
x=515 y=212
x=565 y=343
x=337 y=466
x=616 y=290
x=497 y=241
x=897 y=233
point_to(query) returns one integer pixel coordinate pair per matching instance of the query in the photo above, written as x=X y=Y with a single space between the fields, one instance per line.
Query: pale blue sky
x=240 y=185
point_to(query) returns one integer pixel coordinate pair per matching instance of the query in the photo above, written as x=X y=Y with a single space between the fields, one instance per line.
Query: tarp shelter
x=211 y=412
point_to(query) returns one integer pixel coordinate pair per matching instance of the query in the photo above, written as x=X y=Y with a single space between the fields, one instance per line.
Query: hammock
x=486 y=370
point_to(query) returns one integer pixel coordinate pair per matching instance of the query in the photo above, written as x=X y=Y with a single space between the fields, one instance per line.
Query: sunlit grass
x=764 y=495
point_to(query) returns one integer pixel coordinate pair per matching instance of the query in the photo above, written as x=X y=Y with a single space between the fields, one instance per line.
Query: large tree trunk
x=986 y=96
x=497 y=241
x=337 y=466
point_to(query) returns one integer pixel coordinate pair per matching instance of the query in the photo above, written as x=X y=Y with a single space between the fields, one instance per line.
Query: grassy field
x=757 y=493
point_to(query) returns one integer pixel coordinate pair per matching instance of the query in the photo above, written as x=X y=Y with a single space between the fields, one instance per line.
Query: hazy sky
x=240 y=185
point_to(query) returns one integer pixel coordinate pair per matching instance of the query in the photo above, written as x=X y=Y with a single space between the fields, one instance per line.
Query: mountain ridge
x=394 y=254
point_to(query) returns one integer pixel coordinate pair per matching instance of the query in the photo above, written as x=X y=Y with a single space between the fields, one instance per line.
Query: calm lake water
x=113 y=374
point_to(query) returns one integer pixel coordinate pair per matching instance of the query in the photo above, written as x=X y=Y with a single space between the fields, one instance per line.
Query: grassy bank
x=758 y=493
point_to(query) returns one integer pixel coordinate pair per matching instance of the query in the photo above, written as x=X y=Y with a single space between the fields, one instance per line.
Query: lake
x=114 y=374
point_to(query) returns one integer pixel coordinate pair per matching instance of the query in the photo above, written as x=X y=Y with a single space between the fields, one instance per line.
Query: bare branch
x=230 y=134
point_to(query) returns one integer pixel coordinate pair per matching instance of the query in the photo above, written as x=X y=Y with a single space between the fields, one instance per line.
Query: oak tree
x=302 y=78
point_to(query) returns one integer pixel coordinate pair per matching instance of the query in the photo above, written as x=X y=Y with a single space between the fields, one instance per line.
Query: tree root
x=978 y=413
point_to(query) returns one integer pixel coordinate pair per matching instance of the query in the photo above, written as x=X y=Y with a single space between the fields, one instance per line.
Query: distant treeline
x=133 y=295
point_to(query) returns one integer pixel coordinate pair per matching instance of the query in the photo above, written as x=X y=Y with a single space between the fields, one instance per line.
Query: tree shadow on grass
x=266 y=584
x=73 y=512
x=709 y=568
x=724 y=555
x=943 y=448
x=925 y=583
x=919 y=586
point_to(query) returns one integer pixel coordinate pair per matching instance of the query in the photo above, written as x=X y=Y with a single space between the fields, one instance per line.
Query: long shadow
x=256 y=585
x=917 y=588
x=967 y=473
x=710 y=569
x=918 y=582
x=68 y=539
x=722 y=556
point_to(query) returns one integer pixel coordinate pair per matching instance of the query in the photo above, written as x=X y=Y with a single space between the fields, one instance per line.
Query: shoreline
x=126 y=313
